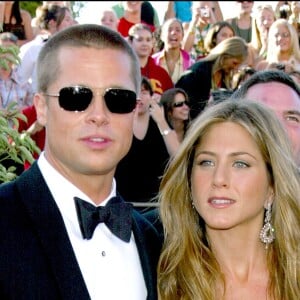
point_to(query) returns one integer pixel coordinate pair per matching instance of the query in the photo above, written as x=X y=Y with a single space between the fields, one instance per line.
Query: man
x=88 y=77
x=277 y=90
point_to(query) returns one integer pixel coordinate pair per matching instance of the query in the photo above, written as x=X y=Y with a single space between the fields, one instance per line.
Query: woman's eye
x=206 y=163
x=241 y=164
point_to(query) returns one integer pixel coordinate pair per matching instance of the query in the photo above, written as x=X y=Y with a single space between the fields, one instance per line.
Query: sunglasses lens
x=120 y=101
x=75 y=98
x=180 y=104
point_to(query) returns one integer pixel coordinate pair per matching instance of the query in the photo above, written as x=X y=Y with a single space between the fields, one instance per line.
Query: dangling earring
x=193 y=205
x=267 y=233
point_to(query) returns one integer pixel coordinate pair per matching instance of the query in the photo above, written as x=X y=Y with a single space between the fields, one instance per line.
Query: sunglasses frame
x=181 y=103
x=84 y=92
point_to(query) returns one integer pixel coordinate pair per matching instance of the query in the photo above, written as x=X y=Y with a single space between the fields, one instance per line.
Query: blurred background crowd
x=191 y=53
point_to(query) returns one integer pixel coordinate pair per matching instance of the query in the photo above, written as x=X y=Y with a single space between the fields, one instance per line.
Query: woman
x=16 y=21
x=138 y=174
x=108 y=18
x=213 y=72
x=242 y=23
x=218 y=32
x=51 y=18
x=177 y=110
x=283 y=46
x=203 y=17
x=229 y=204
x=172 y=57
x=264 y=16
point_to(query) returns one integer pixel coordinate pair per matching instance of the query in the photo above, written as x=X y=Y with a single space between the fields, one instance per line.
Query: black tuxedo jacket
x=37 y=260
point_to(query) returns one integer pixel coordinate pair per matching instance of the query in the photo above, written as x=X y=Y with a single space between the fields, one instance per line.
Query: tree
x=15 y=147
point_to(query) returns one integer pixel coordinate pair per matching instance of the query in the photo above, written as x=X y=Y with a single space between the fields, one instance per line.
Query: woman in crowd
x=242 y=23
x=108 y=18
x=51 y=18
x=202 y=19
x=139 y=173
x=218 y=32
x=264 y=16
x=213 y=72
x=283 y=46
x=172 y=57
x=176 y=106
x=229 y=205
x=16 y=21
x=141 y=39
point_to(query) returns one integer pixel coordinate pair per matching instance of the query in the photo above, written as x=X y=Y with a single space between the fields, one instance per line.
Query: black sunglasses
x=78 y=98
x=181 y=103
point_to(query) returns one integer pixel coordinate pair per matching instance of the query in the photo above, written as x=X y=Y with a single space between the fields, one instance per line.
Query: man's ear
x=41 y=108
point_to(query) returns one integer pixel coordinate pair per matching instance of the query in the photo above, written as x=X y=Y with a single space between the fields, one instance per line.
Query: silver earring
x=267 y=233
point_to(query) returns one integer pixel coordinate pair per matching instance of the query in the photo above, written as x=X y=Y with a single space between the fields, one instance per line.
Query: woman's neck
x=133 y=17
x=178 y=126
x=143 y=61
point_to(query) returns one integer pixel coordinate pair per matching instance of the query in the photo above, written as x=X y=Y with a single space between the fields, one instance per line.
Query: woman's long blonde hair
x=187 y=267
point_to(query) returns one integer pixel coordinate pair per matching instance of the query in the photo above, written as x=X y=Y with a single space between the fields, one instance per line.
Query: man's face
x=93 y=141
x=286 y=104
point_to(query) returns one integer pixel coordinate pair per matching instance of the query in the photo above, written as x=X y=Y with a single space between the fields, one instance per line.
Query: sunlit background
x=91 y=11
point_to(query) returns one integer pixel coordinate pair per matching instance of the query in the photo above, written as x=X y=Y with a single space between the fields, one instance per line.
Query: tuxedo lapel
x=49 y=225
x=149 y=246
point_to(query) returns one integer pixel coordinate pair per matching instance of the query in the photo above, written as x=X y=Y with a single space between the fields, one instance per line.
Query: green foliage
x=9 y=54
x=14 y=146
x=30 y=6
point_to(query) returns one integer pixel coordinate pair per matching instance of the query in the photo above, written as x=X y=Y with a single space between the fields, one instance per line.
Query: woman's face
x=265 y=19
x=142 y=43
x=172 y=35
x=224 y=34
x=231 y=64
x=181 y=108
x=229 y=181
x=109 y=19
x=282 y=38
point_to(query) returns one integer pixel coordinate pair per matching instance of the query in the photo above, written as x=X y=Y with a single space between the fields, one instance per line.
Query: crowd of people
x=170 y=152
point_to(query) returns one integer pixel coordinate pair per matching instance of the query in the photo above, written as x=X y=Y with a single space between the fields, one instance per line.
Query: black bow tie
x=116 y=214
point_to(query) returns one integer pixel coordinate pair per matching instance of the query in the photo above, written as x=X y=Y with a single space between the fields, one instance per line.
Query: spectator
x=229 y=204
x=294 y=18
x=264 y=16
x=172 y=57
x=51 y=19
x=242 y=23
x=283 y=46
x=218 y=32
x=141 y=40
x=47 y=245
x=176 y=106
x=202 y=19
x=16 y=21
x=181 y=10
x=213 y=72
x=148 y=12
x=138 y=173
x=12 y=90
x=132 y=15
x=109 y=18
x=277 y=90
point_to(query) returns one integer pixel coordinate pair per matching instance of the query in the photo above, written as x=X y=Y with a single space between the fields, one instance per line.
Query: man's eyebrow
x=292 y=112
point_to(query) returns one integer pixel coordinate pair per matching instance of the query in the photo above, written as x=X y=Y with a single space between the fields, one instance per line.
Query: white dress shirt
x=110 y=267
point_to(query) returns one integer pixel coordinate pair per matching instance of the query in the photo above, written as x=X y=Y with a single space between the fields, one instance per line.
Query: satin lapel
x=50 y=228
